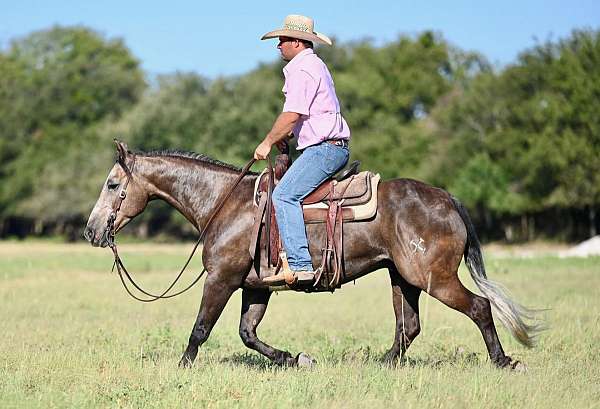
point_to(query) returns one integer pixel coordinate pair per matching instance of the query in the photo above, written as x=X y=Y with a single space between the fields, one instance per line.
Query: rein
x=112 y=244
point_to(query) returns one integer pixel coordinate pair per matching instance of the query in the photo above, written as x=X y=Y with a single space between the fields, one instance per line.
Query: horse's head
x=121 y=199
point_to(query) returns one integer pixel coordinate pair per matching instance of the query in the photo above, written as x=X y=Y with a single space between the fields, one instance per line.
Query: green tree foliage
x=386 y=92
x=224 y=118
x=56 y=86
x=532 y=129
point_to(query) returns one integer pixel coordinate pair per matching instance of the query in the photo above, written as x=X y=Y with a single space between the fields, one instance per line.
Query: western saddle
x=348 y=196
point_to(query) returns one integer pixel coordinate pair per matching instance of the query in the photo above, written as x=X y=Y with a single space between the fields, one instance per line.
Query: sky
x=222 y=38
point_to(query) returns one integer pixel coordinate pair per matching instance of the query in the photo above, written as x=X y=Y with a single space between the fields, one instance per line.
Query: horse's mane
x=200 y=157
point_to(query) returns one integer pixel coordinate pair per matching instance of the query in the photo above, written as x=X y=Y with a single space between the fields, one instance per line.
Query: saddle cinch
x=347 y=197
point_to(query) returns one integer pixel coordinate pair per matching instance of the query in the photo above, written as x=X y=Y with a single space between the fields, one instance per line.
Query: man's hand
x=262 y=150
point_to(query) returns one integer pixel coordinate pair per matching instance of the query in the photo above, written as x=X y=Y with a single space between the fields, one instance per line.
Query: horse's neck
x=192 y=187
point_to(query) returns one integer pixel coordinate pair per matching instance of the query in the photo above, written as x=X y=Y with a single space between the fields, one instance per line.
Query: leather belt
x=338 y=142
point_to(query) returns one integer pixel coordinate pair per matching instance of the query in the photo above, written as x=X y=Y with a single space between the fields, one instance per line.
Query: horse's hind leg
x=406 y=308
x=451 y=292
x=254 y=306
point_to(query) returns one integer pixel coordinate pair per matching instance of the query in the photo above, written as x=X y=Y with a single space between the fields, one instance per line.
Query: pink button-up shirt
x=309 y=91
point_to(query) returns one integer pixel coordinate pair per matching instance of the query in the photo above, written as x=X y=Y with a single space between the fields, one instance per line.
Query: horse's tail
x=512 y=315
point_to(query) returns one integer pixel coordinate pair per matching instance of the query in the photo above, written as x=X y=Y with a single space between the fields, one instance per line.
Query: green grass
x=71 y=337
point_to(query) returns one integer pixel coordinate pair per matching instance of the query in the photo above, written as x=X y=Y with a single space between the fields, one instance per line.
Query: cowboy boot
x=293 y=277
x=287 y=276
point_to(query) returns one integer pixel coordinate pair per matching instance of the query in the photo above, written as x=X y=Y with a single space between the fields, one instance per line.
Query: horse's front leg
x=254 y=306
x=217 y=292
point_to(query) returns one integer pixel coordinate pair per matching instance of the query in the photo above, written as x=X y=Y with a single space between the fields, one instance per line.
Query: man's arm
x=283 y=126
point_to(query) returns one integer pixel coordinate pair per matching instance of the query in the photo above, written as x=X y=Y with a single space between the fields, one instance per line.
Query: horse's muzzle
x=90 y=235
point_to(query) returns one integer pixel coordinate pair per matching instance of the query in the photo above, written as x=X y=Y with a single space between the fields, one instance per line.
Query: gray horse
x=436 y=224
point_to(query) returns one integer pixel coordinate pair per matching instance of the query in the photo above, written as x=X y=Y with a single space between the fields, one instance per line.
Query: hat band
x=298 y=27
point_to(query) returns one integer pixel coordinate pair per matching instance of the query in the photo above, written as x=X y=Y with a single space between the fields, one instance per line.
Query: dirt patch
x=587 y=248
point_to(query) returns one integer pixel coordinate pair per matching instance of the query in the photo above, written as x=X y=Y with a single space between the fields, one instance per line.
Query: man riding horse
x=311 y=112
x=419 y=233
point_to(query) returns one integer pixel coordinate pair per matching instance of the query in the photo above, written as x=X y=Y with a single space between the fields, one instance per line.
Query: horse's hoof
x=305 y=361
x=519 y=367
x=185 y=362
x=390 y=360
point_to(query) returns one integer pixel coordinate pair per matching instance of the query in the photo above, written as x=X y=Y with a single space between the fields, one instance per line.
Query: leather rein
x=113 y=246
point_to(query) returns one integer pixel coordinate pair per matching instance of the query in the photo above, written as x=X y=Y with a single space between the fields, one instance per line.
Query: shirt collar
x=296 y=60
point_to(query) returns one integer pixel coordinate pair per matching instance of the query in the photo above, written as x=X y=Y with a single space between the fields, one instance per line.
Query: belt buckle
x=343 y=143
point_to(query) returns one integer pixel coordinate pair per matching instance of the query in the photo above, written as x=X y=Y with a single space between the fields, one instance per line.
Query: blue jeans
x=313 y=166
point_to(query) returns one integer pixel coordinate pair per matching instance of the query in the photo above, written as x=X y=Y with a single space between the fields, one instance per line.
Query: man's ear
x=121 y=150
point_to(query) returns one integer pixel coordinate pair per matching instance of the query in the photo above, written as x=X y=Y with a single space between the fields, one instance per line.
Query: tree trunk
x=592 y=219
x=508 y=232
x=60 y=227
x=531 y=229
x=143 y=230
x=571 y=225
x=38 y=227
x=488 y=219
x=524 y=227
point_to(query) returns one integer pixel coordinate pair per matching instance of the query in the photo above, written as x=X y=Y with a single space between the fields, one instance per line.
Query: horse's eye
x=112 y=185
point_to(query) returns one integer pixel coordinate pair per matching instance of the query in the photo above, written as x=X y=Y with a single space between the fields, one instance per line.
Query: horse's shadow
x=250 y=360
x=458 y=357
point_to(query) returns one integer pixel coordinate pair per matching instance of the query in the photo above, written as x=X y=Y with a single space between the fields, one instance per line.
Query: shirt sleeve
x=300 y=91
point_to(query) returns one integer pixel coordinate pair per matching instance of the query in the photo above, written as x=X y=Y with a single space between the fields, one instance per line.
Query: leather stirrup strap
x=338 y=247
x=268 y=226
x=258 y=217
x=328 y=257
x=274 y=239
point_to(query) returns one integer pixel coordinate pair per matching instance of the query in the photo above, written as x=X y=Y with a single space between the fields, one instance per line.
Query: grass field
x=71 y=337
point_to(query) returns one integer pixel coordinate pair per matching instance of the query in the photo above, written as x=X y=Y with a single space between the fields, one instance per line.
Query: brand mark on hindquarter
x=418 y=246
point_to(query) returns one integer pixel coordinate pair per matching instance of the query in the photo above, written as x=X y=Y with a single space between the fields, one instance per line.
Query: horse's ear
x=121 y=150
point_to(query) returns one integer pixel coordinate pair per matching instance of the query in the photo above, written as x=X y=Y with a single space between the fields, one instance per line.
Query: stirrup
x=305 y=277
x=283 y=275
x=289 y=277
x=294 y=277
x=277 y=279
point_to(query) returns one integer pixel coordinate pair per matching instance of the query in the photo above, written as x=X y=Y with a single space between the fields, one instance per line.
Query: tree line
x=520 y=145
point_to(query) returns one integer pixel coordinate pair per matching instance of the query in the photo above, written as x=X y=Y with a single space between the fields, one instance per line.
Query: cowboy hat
x=296 y=26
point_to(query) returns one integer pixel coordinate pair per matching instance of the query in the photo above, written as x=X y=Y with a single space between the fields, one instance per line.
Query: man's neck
x=305 y=51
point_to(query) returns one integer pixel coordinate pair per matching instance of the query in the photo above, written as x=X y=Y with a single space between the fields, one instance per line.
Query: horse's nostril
x=88 y=234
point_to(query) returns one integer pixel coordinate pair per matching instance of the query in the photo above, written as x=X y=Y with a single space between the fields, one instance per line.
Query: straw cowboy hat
x=296 y=26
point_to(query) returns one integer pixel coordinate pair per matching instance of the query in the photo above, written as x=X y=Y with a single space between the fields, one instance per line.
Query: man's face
x=289 y=47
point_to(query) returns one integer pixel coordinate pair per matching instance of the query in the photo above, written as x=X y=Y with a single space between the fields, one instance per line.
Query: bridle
x=110 y=225
x=113 y=246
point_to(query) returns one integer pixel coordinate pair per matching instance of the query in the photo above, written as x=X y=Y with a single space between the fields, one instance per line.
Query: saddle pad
x=317 y=212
